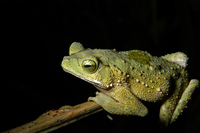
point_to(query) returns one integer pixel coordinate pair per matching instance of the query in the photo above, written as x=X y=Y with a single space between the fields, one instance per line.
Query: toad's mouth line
x=96 y=85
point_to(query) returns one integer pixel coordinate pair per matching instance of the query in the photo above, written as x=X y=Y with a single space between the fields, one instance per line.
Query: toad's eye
x=89 y=66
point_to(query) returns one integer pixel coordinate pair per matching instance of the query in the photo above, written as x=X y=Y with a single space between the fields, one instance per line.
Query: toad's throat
x=98 y=85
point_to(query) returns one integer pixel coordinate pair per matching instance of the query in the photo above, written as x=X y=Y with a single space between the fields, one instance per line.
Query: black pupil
x=87 y=66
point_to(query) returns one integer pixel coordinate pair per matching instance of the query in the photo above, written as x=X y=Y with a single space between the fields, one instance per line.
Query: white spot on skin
x=111 y=85
x=96 y=81
x=163 y=107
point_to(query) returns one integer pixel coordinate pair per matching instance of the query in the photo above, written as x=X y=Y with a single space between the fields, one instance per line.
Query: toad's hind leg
x=173 y=107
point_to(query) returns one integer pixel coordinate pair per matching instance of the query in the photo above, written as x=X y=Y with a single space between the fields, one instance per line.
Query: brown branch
x=55 y=119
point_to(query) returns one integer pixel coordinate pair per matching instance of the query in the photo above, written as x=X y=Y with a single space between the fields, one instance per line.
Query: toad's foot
x=100 y=98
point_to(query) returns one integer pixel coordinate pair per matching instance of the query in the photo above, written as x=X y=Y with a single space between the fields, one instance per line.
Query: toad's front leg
x=119 y=104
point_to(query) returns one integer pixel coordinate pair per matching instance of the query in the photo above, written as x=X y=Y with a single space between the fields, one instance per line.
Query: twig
x=55 y=119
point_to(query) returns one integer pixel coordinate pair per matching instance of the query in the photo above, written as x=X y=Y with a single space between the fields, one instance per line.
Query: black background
x=37 y=34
